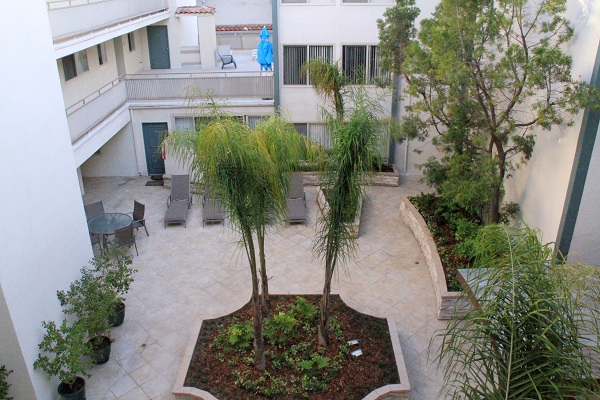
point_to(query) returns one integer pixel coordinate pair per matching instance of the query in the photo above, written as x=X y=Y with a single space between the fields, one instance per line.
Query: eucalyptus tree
x=535 y=333
x=483 y=75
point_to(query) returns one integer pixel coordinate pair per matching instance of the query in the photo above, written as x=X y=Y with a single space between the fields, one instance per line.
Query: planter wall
x=354 y=227
x=311 y=178
x=392 y=391
x=450 y=304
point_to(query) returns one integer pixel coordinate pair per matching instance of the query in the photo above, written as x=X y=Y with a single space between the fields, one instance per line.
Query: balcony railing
x=173 y=86
x=87 y=113
x=70 y=17
x=97 y=106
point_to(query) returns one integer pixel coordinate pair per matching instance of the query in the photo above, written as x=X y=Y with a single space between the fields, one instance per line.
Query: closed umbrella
x=264 y=54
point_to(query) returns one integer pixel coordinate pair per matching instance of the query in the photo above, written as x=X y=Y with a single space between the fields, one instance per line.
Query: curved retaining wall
x=450 y=304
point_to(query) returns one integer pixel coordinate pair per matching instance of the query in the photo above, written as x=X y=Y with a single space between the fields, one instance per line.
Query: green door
x=158 y=46
x=154 y=134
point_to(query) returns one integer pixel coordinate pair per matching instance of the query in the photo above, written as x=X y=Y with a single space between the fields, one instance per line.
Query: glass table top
x=108 y=223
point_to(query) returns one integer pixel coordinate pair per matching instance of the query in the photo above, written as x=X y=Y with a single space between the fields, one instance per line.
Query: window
x=184 y=123
x=255 y=120
x=315 y=132
x=75 y=64
x=101 y=53
x=295 y=56
x=360 y=68
x=131 y=41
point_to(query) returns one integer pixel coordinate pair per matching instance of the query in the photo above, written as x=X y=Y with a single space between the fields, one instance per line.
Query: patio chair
x=125 y=237
x=212 y=208
x=224 y=54
x=180 y=188
x=296 y=199
x=93 y=210
x=176 y=212
x=139 y=210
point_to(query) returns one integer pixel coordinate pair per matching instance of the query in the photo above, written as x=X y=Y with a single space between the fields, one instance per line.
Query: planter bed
x=392 y=179
x=449 y=303
x=355 y=225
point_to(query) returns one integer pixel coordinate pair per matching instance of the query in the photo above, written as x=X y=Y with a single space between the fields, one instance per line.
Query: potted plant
x=4 y=385
x=93 y=304
x=65 y=356
x=116 y=275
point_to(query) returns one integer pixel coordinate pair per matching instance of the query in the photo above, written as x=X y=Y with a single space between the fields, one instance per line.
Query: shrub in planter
x=4 y=385
x=93 y=304
x=65 y=355
x=116 y=274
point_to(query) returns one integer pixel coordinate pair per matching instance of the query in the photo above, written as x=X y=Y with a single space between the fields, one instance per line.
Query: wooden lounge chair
x=224 y=54
x=296 y=199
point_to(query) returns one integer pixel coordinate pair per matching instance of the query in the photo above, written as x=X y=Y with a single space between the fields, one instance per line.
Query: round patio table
x=108 y=223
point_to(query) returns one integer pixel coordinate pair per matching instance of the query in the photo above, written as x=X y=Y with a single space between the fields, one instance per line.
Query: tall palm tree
x=329 y=82
x=349 y=163
x=223 y=153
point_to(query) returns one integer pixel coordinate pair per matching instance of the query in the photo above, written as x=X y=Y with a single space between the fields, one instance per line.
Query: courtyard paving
x=186 y=274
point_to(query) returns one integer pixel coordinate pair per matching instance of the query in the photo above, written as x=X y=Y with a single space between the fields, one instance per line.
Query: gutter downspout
x=396 y=82
x=275 y=32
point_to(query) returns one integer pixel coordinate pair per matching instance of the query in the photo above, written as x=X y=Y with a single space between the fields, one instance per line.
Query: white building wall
x=86 y=83
x=334 y=25
x=116 y=158
x=45 y=238
x=540 y=188
x=241 y=12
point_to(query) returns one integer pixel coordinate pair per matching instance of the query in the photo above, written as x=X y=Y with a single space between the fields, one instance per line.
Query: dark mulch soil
x=357 y=377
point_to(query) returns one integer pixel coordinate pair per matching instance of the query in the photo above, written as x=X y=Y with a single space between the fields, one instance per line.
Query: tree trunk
x=323 y=334
x=259 y=344
x=493 y=215
x=266 y=300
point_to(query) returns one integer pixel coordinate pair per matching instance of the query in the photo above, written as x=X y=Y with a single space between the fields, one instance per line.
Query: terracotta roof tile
x=237 y=28
x=192 y=10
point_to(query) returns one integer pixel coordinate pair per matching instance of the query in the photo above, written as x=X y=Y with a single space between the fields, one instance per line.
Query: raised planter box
x=388 y=392
x=354 y=227
x=450 y=304
x=392 y=179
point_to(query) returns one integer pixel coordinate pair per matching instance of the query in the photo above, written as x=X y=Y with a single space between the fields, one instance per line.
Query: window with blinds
x=361 y=64
x=295 y=56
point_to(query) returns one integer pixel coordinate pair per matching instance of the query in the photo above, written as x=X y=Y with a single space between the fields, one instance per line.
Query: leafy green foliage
x=115 y=273
x=4 y=385
x=290 y=335
x=91 y=302
x=65 y=353
x=482 y=77
x=536 y=329
x=454 y=231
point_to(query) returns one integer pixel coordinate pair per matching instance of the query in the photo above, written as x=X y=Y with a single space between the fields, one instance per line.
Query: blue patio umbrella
x=264 y=54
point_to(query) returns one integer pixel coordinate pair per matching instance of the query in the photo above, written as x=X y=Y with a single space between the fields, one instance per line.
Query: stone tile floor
x=195 y=272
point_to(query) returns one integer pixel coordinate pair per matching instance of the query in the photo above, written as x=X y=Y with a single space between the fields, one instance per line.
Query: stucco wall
x=85 y=84
x=540 y=188
x=115 y=158
x=44 y=237
x=241 y=11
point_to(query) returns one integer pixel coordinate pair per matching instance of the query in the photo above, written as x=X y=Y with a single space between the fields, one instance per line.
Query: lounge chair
x=296 y=199
x=179 y=201
x=212 y=209
x=224 y=54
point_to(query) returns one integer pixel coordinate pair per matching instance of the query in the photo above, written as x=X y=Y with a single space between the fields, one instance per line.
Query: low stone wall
x=392 y=179
x=450 y=304
x=354 y=227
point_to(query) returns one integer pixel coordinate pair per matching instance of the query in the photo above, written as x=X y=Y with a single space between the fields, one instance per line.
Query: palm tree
x=535 y=331
x=349 y=163
x=329 y=82
x=224 y=155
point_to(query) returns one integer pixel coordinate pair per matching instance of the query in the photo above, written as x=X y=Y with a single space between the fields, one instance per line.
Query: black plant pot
x=101 y=349
x=72 y=392
x=119 y=316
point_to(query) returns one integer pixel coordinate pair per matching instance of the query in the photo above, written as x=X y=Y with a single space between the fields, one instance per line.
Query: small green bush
x=4 y=385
